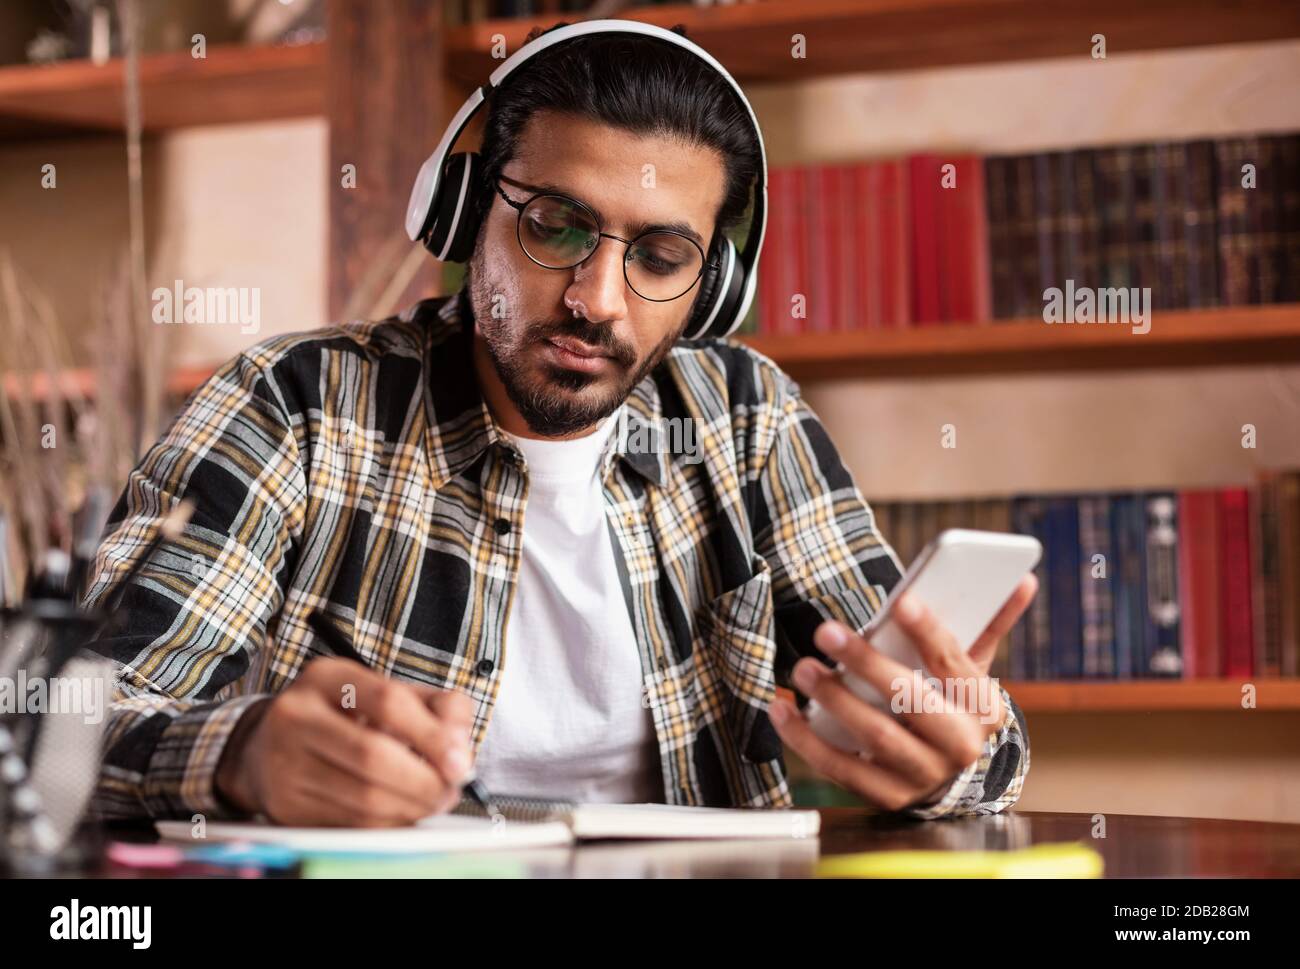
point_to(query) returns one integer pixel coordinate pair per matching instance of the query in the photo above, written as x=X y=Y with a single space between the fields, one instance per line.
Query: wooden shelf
x=1177 y=338
x=753 y=40
x=1152 y=696
x=232 y=84
x=81 y=382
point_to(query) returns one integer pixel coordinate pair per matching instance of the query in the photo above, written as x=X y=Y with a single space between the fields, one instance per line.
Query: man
x=573 y=551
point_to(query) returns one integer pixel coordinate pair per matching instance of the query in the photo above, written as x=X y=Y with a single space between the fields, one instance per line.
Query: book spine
x=1289 y=570
x=1096 y=602
x=1236 y=244
x=1264 y=589
x=1001 y=250
x=1114 y=168
x=923 y=180
x=1199 y=226
x=1065 y=652
x=1235 y=581
x=1163 y=650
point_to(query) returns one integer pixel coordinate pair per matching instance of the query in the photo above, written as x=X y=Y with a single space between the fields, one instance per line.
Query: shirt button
x=485 y=666
x=502 y=526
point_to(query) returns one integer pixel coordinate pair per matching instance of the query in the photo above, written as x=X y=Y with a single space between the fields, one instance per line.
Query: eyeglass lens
x=559 y=233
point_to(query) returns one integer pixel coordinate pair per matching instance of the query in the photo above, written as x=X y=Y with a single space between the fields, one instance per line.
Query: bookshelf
x=247 y=84
x=232 y=84
x=752 y=40
x=1211 y=337
x=1152 y=696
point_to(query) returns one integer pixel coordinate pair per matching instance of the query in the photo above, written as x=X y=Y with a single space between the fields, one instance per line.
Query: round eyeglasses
x=558 y=232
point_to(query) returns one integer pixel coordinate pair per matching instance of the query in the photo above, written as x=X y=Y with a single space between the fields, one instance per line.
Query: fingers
x=862 y=777
x=375 y=758
x=450 y=706
x=394 y=708
x=941 y=654
x=344 y=798
x=891 y=744
x=985 y=648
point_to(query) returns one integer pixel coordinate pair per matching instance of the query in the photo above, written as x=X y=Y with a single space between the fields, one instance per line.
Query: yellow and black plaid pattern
x=357 y=469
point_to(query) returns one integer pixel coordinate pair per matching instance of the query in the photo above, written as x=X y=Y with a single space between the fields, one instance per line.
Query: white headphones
x=440 y=213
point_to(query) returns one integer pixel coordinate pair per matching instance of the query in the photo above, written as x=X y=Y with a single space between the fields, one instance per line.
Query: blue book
x=1128 y=530
x=1031 y=637
x=1096 y=582
x=1065 y=654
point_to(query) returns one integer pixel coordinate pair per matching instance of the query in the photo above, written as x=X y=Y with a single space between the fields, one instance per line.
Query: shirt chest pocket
x=736 y=640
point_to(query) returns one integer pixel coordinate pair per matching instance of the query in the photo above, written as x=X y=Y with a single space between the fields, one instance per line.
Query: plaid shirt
x=358 y=469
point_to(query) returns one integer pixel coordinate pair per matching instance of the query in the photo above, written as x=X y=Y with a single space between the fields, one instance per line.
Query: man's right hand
x=343 y=745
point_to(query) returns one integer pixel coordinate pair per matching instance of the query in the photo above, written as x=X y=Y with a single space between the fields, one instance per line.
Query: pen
x=340 y=645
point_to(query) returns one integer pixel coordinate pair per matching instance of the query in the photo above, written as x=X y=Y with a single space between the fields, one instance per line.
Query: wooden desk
x=1134 y=846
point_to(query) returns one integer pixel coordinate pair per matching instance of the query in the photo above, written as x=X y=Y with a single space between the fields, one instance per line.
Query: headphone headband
x=422 y=208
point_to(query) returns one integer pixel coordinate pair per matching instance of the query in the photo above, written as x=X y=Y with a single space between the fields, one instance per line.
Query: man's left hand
x=915 y=755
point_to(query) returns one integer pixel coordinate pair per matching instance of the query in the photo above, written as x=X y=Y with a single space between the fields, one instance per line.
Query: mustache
x=602 y=338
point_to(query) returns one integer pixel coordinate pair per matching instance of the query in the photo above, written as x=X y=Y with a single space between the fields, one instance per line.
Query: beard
x=555 y=401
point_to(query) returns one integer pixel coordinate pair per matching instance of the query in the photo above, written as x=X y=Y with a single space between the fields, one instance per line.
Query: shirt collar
x=459 y=427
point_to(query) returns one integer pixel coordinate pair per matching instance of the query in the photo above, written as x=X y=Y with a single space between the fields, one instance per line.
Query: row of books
x=1200 y=223
x=469 y=11
x=1194 y=584
x=961 y=239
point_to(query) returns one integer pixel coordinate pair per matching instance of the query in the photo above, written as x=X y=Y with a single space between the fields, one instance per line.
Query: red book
x=924 y=174
x=1198 y=583
x=843 y=259
x=865 y=202
x=965 y=294
x=883 y=244
x=1235 y=583
x=772 y=261
x=798 y=279
x=822 y=226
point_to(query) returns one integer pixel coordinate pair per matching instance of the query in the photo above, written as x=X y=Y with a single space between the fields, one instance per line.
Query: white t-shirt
x=569 y=721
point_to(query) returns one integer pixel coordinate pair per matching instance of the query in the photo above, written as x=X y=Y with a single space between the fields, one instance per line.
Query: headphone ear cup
x=722 y=288
x=455 y=217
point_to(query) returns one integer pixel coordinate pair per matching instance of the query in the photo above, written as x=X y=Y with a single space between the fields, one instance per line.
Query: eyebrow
x=633 y=229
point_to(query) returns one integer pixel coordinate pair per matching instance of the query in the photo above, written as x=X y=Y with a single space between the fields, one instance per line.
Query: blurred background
x=180 y=179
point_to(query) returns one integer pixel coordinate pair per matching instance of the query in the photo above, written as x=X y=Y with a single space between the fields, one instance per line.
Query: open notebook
x=524 y=823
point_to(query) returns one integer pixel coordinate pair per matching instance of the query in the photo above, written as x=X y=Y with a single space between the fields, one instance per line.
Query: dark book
x=1114 y=181
x=1002 y=249
x=1163 y=650
x=1128 y=530
x=1266 y=567
x=1049 y=229
x=1081 y=220
x=1238 y=245
x=1286 y=203
x=1199 y=221
x=1169 y=196
x=1031 y=637
x=1144 y=243
x=1065 y=654
x=1096 y=601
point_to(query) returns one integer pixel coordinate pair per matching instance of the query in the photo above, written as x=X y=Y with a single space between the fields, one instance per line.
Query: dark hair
x=640 y=84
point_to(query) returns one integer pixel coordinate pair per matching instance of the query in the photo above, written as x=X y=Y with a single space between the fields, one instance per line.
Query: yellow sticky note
x=1061 y=860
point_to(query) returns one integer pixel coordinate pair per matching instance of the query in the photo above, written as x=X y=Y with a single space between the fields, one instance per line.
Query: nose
x=599 y=285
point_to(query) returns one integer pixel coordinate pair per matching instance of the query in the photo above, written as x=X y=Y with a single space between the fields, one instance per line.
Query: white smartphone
x=964 y=577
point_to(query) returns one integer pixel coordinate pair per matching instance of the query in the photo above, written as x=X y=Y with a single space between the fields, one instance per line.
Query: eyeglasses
x=558 y=232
